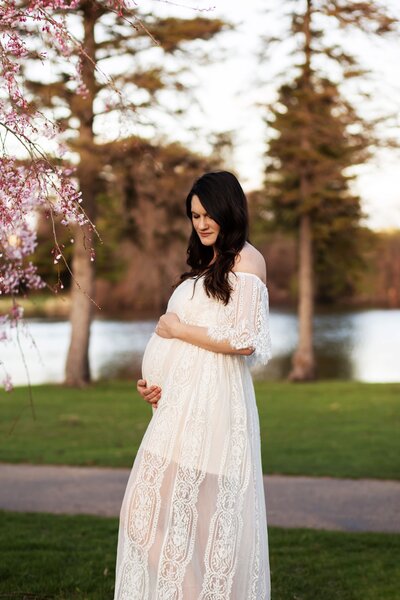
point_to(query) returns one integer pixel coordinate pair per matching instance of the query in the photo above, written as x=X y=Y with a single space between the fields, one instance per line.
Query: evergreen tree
x=108 y=37
x=318 y=136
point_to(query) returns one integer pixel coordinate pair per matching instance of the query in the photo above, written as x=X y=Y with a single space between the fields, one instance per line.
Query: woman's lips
x=205 y=234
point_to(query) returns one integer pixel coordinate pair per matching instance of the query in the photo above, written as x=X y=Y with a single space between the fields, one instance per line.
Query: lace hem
x=240 y=338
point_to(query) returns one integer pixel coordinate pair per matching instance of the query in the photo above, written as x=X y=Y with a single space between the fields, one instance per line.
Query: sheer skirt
x=193 y=519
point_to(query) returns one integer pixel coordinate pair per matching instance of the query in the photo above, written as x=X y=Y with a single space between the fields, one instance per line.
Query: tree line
x=316 y=136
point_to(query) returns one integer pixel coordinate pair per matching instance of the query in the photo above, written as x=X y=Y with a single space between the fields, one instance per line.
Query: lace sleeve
x=246 y=319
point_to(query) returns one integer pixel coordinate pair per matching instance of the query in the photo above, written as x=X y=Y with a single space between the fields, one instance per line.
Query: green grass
x=54 y=556
x=73 y=557
x=337 y=428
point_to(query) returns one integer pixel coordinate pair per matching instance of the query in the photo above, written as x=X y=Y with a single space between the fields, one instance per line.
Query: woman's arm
x=169 y=326
x=196 y=335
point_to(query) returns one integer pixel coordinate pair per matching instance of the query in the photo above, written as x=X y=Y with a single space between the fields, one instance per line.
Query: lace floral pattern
x=244 y=322
x=227 y=521
x=193 y=522
x=179 y=542
x=143 y=499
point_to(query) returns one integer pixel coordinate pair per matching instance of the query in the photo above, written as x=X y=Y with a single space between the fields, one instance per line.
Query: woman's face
x=206 y=228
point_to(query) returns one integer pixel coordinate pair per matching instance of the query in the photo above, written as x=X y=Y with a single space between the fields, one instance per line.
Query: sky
x=231 y=91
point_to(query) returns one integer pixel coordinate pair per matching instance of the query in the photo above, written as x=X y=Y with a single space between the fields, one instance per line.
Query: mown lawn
x=57 y=557
x=337 y=428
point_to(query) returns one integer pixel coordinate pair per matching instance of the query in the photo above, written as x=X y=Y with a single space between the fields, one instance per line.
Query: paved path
x=321 y=503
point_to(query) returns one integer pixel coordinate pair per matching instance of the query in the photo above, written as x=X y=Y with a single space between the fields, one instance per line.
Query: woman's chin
x=207 y=241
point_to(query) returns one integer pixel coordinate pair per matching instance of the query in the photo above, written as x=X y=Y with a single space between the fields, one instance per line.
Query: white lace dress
x=193 y=519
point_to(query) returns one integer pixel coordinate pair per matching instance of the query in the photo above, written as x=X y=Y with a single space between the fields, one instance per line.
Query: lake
x=362 y=345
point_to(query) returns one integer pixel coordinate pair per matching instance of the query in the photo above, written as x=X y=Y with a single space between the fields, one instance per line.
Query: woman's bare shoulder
x=250 y=260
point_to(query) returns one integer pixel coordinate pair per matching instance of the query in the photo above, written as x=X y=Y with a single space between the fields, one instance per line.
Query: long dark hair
x=222 y=196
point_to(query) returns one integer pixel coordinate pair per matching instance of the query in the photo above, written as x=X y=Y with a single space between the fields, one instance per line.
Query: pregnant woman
x=193 y=520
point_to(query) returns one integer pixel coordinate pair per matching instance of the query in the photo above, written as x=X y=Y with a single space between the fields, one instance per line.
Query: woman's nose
x=203 y=223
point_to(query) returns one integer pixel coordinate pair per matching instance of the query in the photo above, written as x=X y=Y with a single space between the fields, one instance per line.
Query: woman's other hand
x=167 y=325
x=151 y=394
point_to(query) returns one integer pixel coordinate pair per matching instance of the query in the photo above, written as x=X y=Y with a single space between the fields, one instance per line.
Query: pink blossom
x=25 y=189
x=7 y=383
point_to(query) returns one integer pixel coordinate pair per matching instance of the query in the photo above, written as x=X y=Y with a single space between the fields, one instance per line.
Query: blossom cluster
x=33 y=183
x=23 y=190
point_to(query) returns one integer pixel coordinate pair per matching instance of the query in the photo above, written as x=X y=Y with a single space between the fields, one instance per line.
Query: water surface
x=362 y=345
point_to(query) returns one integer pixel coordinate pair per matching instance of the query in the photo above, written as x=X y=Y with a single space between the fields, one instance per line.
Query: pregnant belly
x=156 y=357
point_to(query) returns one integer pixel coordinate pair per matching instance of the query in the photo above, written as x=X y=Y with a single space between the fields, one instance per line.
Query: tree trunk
x=303 y=363
x=77 y=371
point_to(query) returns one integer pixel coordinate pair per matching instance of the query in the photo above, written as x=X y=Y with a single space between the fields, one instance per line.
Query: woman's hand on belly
x=151 y=394
x=167 y=324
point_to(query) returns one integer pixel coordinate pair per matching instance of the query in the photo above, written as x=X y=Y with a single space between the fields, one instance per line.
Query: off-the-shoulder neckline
x=251 y=274
x=239 y=273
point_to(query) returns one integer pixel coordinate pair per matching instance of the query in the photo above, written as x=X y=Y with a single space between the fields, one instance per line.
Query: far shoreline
x=58 y=307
